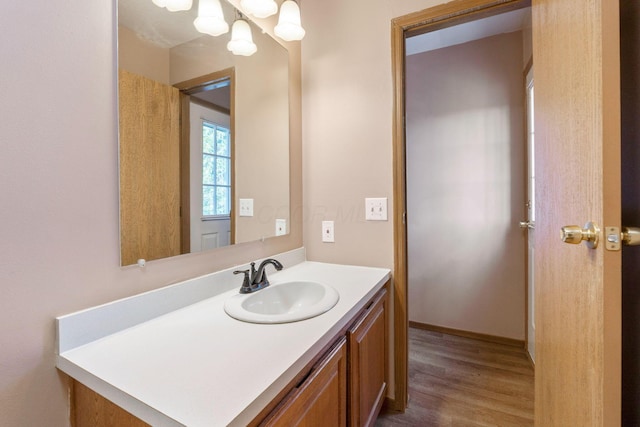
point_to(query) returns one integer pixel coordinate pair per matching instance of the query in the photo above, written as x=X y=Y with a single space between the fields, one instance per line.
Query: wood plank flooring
x=455 y=381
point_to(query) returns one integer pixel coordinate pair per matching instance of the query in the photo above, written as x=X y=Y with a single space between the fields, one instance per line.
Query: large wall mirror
x=204 y=135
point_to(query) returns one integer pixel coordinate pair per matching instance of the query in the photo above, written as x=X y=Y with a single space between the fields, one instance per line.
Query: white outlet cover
x=281 y=227
x=246 y=207
x=375 y=208
x=327 y=232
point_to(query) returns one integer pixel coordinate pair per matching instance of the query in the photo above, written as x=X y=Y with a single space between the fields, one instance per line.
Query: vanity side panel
x=89 y=409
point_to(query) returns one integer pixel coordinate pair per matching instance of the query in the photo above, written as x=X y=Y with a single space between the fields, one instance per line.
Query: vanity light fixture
x=210 y=18
x=259 y=8
x=289 y=27
x=160 y=3
x=241 y=39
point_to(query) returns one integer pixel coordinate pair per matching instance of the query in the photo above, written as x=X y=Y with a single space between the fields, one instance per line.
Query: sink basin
x=283 y=302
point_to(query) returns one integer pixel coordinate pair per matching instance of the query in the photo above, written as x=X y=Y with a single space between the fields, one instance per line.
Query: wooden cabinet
x=367 y=345
x=321 y=398
x=366 y=358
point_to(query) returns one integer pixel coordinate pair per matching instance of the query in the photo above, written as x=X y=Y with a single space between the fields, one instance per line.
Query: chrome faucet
x=254 y=280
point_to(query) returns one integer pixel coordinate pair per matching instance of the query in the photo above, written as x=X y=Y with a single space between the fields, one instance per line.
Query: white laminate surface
x=197 y=366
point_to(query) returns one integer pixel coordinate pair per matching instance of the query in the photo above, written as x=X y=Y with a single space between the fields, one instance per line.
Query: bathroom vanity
x=188 y=363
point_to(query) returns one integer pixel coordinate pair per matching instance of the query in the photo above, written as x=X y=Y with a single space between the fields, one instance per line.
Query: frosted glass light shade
x=178 y=5
x=210 y=19
x=160 y=3
x=289 y=27
x=241 y=39
x=259 y=8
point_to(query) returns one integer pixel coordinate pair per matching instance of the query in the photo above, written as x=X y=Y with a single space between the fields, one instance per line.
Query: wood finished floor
x=455 y=381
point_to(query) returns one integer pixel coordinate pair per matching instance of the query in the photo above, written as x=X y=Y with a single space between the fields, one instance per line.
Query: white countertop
x=196 y=366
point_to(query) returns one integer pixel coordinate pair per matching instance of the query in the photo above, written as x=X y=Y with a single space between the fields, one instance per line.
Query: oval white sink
x=283 y=302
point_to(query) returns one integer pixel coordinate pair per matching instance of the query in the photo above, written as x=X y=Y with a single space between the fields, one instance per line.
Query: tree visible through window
x=216 y=170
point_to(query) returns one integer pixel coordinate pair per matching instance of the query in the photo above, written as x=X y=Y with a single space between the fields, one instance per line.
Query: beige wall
x=142 y=57
x=59 y=250
x=465 y=180
x=347 y=119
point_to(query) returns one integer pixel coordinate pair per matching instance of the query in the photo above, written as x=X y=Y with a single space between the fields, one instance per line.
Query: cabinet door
x=319 y=400
x=368 y=363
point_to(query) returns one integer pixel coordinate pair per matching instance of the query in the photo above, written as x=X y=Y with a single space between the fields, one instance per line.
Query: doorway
x=436 y=18
x=207 y=177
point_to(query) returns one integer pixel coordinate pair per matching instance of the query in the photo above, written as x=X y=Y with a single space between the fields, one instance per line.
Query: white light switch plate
x=327 y=231
x=281 y=227
x=375 y=209
x=246 y=207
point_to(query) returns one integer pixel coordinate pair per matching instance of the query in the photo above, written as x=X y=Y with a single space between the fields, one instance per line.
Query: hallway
x=455 y=381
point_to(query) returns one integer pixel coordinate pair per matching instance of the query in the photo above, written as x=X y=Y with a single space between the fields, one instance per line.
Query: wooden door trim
x=185 y=173
x=432 y=19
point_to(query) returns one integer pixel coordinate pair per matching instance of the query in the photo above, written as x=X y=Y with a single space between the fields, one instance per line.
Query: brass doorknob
x=631 y=236
x=575 y=234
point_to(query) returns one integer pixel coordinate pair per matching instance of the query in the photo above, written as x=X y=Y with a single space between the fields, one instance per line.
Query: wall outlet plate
x=375 y=208
x=281 y=227
x=246 y=207
x=327 y=232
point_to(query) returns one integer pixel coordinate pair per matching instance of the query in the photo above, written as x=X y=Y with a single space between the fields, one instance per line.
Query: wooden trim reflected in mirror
x=188 y=88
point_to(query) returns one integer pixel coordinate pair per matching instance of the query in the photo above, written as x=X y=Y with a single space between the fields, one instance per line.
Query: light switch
x=246 y=207
x=327 y=232
x=375 y=209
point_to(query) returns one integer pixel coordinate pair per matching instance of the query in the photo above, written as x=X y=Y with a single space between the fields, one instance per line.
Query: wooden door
x=149 y=168
x=577 y=123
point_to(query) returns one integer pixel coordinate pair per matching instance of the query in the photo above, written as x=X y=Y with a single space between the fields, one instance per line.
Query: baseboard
x=466 y=334
x=391 y=405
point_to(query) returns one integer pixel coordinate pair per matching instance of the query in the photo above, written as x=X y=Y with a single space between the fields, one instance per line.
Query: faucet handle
x=246 y=282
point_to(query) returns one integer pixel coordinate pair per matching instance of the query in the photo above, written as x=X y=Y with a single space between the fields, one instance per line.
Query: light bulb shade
x=160 y=3
x=178 y=5
x=210 y=19
x=241 y=39
x=289 y=27
x=259 y=8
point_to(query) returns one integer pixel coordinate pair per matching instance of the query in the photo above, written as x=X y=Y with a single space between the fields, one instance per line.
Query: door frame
x=431 y=19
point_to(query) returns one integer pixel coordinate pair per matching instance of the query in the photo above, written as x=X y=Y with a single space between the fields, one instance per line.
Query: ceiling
x=161 y=27
x=498 y=24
